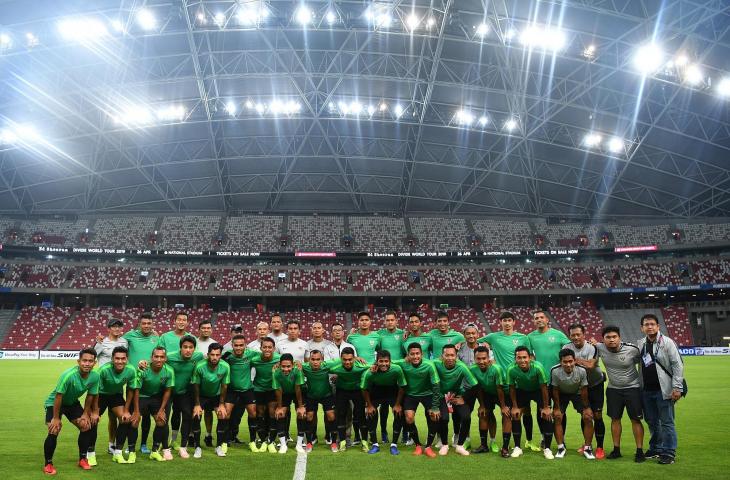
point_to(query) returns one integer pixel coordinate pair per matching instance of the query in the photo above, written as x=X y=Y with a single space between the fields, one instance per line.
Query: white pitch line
x=300 y=469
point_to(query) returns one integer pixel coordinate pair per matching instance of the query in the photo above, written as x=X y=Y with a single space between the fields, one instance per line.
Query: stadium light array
x=118 y=26
x=82 y=29
x=483 y=120
x=398 y=110
x=413 y=22
x=303 y=15
x=231 y=108
x=252 y=15
x=464 y=117
x=21 y=133
x=482 y=29
x=616 y=145
x=171 y=112
x=380 y=17
x=201 y=18
x=592 y=140
x=219 y=19
x=693 y=75
x=6 y=41
x=510 y=125
x=146 y=19
x=276 y=107
x=723 y=87
x=134 y=116
x=544 y=38
x=31 y=40
x=649 y=58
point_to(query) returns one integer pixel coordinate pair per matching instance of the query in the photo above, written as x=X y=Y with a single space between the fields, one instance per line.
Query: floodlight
x=544 y=38
x=249 y=104
x=146 y=19
x=5 y=41
x=592 y=140
x=172 y=112
x=331 y=17
x=383 y=106
x=252 y=16
x=649 y=58
x=231 y=108
x=260 y=108
x=356 y=108
x=483 y=120
x=371 y=110
x=482 y=29
x=510 y=34
x=412 y=22
x=80 y=29
x=681 y=61
x=118 y=26
x=430 y=22
x=7 y=137
x=343 y=107
x=723 y=88
x=398 y=110
x=31 y=39
x=200 y=17
x=693 y=75
x=303 y=15
x=616 y=145
x=510 y=124
x=219 y=19
x=464 y=117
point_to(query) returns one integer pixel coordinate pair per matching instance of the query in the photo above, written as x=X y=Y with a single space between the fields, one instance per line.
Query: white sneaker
x=438 y=444
x=444 y=450
x=300 y=448
x=110 y=450
x=198 y=453
x=461 y=450
x=516 y=452
x=183 y=452
x=548 y=454
x=410 y=442
x=561 y=452
x=283 y=448
x=588 y=453
x=219 y=451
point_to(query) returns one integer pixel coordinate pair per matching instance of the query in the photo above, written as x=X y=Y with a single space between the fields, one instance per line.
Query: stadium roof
x=506 y=107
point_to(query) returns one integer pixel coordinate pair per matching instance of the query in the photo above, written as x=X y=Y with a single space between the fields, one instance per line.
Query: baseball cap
x=237 y=328
x=114 y=321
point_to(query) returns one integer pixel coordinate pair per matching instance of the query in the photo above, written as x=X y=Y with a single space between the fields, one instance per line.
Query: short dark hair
x=347 y=351
x=120 y=349
x=275 y=314
x=506 y=314
x=577 y=325
x=362 y=314
x=215 y=346
x=448 y=345
x=522 y=348
x=181 y=313
x=442 y=314
x=315 y=351
x=390 y=312
x=649 y=316
x=566 y=352
x=337 y=324
x=540 y=310
x=611 y=329
x=238 y=337
x=146 y=315
x=85 y=351
x=269 y=340
x=415 y=345
x=204 y=322
x=383 y=354
x=158 y=348
x=293 y=322
x=481 y=349
x=414 y=314
x=286 y=356
x=189 y=339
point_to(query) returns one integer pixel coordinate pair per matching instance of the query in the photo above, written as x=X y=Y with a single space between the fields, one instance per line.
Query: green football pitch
x=703 y=427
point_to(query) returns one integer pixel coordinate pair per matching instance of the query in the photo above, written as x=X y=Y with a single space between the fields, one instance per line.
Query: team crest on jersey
x=515 y=342
x=622 y=358
x=372 y=343
x=552 y=339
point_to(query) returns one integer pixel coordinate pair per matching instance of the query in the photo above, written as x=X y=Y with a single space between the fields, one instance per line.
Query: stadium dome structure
x=580 y=109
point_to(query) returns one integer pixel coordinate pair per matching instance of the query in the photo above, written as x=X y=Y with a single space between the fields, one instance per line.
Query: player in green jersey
x=492 y=383
x=415 y=333
x=155 y=390
x=528 y=381
x=349 y=376
x=546 y=342
x=318 y=391
x=140 y=342
x=64 y=400
x=287 y=382
x=183 y=363
x=383 y=386
x=365 y=341
x=391 y=339
x=113 y=377
x=210 y=383
x=443 y=335
x=454 y=379
x=265 y=396
x=240 y=397
x=422 y=389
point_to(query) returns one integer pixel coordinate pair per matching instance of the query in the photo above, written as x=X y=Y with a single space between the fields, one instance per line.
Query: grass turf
x=701 y=424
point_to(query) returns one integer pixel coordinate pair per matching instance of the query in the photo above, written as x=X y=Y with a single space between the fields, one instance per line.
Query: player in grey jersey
x=586 y=356
x=624 y=389
x=569 y=383
x=318 y=342
x=104 y=347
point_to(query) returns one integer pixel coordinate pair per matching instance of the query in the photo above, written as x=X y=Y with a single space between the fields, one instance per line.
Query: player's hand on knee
x=221 y=412
x=557 y=415
x=197 y=411
x=588 y=413
x=516 y=413
x=482 y=412
x=54 y=426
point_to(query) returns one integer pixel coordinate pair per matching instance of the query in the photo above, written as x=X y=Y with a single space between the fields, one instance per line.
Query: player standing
x=240 y=396
x=104 y=347
x=183 y=363
x=365 y=340
x=210 y=383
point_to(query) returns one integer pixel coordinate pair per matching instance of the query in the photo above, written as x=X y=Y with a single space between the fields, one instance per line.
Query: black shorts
x=618 y=398
x=411 y=402
x=595 y=397
x=383 y=395
x=183 y=403
x=287 y=399
x=264 y=398
x=209 y=404
x=566 y=399
x=328 y=403
x=237 y=397
x=72 y=412
x=524 y=397
x=151 y=405
x=110 y=401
